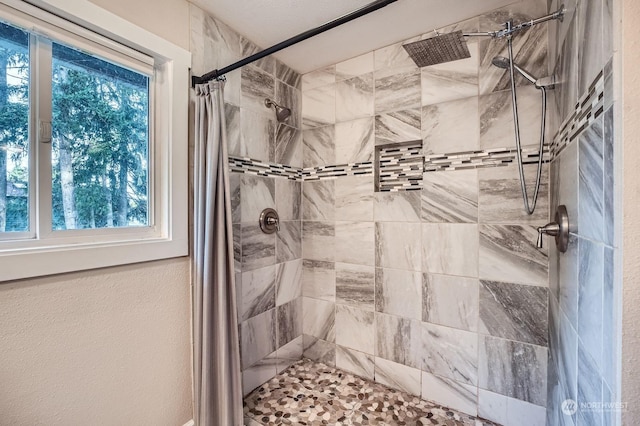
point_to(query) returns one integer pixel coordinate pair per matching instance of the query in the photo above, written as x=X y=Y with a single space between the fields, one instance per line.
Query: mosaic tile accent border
x=481 y=159
x=399 y=167
x=259 y=168
x=587 y=110
x=332 y=172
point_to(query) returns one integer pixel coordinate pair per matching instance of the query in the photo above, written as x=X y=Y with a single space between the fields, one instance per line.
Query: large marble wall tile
x=398 y=339
x=513 y=311
x=589 y=387
x=451 y=80
x=459 y=396
x=318 y=200
x=267 y=64
x=288 y=199
x=288 y=145
x=509 y=411
x=591 y=175
x=355 y=328
x=289 y=320
x=567 y=67
x=567 y=164
x=397 y=89
x=398 y=126
x=319 y=106
x=235 y=192
x=398 y=245
x=609 y=315
x=289 y=241
x=397 y=376
x=514 y=369
x=508 y=253
x=288 y=75
x=450 y=301
x=355 y=243
x=232 y=121
x=288 y=281
x=257 y=136
x=590 y=54
x=258 y=292
x=355 y=362
x=258 y=248
x=451 y=126
x=609 y=180
x=354 y=198
x=450 y=353
x=318 y=146
x=496 y=118
x=224 y=46
x=237 y=247
x=319 y=350
x=257 y=194
x=568 y=278
x=256 y=85
x=318 y=319
x=450 y=197
x=394 y=56
x=450 y=249
x=291 y=98
x=590 y=298
x=401 y=206
x=288 y=354
x=319 y=78
x=492 y=406
x=318 y=240
x=354 y=141
x=355 y=67
x=258 y=374
x=354 y=98
x=319 y=280
x=355 y=286
x=257 y=337
x=567 y=356
x=500 y=198
x=399 y=292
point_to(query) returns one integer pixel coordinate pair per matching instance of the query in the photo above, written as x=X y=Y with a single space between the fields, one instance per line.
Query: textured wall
x=583 y=308
x=109 y=346
x=269 y=267
x=439 y=292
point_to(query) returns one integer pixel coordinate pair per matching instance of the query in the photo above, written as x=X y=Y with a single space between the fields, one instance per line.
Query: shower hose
x=529 y=207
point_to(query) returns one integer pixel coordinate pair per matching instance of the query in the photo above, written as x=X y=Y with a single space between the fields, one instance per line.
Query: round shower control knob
x=269 y=221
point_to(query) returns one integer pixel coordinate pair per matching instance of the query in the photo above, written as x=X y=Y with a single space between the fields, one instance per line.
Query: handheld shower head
x=282 y=113
x=502 y=62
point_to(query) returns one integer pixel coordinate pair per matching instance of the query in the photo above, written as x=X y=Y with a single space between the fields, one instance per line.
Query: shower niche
x=399 y=166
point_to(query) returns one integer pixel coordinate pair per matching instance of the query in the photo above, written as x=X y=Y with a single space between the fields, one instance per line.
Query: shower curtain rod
x=372 y=7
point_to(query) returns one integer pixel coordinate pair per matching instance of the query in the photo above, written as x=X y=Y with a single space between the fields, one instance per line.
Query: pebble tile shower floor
x=310 y=393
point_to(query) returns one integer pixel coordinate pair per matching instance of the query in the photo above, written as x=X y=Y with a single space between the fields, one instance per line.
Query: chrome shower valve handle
x=558 y=229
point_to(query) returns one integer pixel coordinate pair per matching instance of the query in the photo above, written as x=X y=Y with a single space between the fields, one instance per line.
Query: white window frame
x=83 y=24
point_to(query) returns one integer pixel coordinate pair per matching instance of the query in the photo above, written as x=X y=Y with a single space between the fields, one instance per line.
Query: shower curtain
x=216 y=352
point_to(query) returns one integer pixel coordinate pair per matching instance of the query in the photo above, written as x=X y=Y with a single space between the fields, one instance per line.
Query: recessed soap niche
x=399 y=166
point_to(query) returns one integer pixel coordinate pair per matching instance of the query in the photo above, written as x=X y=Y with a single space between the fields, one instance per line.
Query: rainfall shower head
x=439 y=49
x=502 y=62
x=282 y=113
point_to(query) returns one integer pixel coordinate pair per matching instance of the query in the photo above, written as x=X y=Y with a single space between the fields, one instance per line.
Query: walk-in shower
x=452 y=46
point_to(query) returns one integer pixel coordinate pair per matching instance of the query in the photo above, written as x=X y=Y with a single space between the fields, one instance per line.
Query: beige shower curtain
x=216 y=353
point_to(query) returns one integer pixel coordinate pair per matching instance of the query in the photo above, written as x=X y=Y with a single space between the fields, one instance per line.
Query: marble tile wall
x=268 y=267
x=440 y=291
x=582 y=326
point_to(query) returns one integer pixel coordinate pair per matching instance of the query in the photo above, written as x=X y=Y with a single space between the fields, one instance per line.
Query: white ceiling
x=267 y=22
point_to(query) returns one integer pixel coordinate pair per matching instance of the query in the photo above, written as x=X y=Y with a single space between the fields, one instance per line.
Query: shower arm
x=511 y=29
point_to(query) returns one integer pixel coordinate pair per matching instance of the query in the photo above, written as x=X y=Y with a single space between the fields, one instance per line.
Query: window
x=92 y=141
